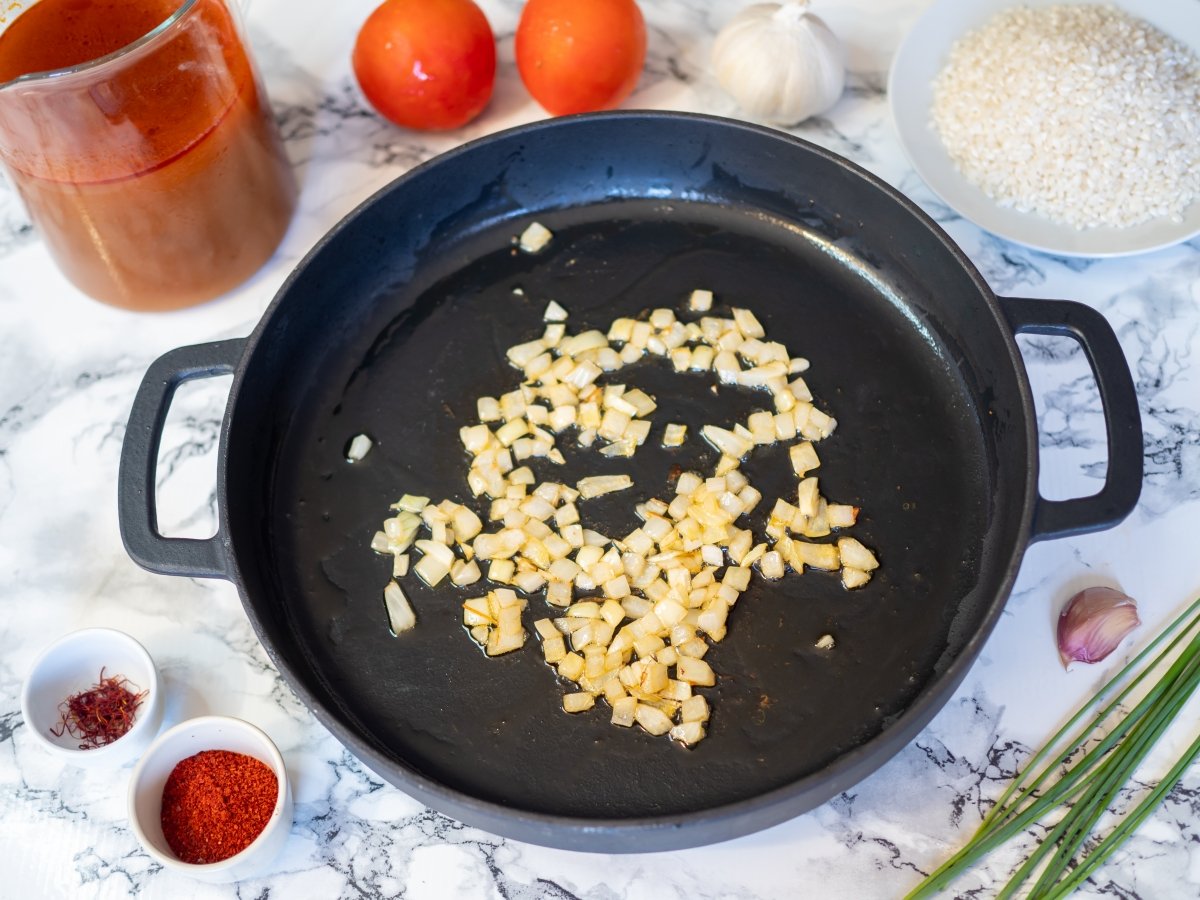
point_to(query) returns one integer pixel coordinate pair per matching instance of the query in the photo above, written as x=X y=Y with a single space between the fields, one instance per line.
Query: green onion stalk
x=1087 y=772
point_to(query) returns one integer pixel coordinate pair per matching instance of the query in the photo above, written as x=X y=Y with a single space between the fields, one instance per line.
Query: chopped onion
x=727 y=442
x=654 y=720
x=578 y=701
x=624 y=711
x=463 y=572
x=435 y=564
x=412 y=504
x=400 y=614
x=855 y=555
x=534 y=237
x=663 y=592
x=771 y=565
x=694 y=709
x=466 y=524
x=553 y=334
x=854 y=578
x=804 y=458
x=488 y=409
x=840 y=515
x=360 y=446
x=761 y=376
x=726 y=366
x=748 y=324
x=695 y=672
x=596 y=485
x=818 y=556
x=687 y=733
x=521 y=354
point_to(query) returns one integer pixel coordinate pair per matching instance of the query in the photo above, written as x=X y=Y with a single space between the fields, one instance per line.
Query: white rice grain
x=1083 y=114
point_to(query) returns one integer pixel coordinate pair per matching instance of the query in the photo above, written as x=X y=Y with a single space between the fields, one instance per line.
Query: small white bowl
x=177 y=744
x=71 y=665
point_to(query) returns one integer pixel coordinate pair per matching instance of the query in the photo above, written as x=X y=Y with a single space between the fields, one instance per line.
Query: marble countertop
x=69 y=368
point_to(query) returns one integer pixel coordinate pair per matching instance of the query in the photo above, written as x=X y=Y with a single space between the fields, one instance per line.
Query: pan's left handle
x=136 y=506
x=1122 y=420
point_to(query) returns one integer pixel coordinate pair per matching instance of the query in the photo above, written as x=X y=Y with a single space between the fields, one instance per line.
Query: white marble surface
x=68 y=371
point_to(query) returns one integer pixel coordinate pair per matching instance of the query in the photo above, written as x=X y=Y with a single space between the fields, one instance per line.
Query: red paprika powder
x=215 y=804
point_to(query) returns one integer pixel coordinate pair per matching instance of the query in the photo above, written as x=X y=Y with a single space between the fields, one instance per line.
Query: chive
x=1080 y=820
x=1087 y=781
x=1000 y=807
x=1128 y=824
x=1005 y=821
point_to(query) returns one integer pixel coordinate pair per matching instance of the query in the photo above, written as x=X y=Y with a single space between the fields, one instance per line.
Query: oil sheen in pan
x=908 y=451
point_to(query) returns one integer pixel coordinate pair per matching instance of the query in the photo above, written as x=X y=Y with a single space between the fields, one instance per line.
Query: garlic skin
x=780 y=63
x=1093 y=623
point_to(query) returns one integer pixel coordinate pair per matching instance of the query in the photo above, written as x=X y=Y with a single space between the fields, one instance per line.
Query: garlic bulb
x=780 y=62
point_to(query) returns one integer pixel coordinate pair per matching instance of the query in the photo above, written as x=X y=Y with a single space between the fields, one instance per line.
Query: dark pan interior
x=380 y=338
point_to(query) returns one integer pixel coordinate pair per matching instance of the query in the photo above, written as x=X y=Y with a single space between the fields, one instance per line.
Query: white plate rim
x=920 y=57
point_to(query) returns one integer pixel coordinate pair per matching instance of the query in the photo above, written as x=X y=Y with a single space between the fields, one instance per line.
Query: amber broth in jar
x=157 y=178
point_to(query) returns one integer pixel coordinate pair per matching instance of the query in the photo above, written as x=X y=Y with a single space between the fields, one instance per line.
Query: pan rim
x=717 y=823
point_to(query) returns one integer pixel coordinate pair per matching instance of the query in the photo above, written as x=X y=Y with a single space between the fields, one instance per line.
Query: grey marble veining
x=68 y=371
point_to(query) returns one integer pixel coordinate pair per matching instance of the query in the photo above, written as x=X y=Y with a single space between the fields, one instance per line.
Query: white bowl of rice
x=1069 y=126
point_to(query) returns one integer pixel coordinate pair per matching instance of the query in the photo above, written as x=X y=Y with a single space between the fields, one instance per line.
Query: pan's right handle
x=136 y=506
x=1122 y=420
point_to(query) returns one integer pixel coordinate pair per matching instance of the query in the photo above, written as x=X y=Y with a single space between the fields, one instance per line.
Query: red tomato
x=426 y=64
x=580 y=55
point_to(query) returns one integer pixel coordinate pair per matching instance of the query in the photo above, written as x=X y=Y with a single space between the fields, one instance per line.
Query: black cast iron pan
x=398 y=320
